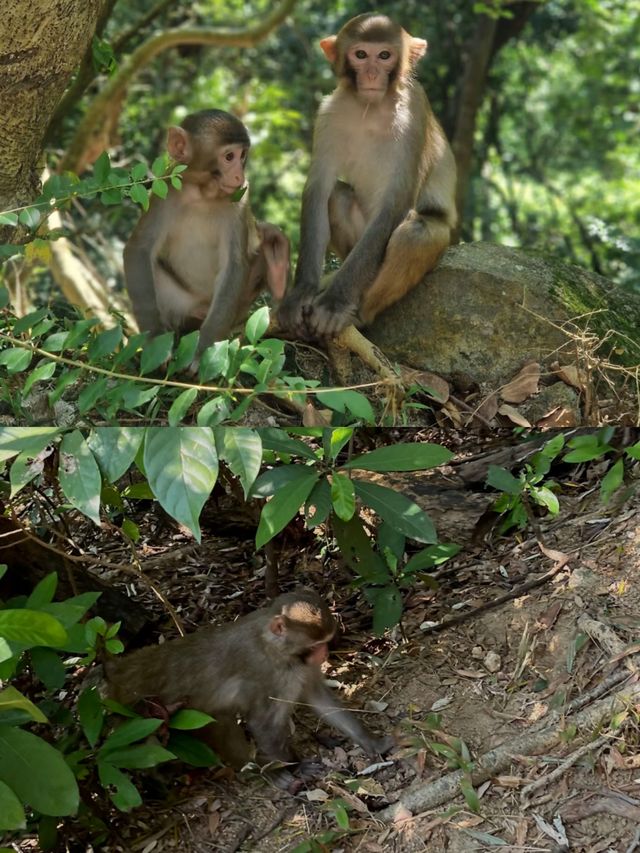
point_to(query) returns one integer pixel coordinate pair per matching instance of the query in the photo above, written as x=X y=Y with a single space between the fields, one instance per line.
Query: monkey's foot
x=350 y=340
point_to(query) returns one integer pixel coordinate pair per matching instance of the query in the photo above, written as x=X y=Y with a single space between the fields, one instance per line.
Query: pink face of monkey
x=372 y=63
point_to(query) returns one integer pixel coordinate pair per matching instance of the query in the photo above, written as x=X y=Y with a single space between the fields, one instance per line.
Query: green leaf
x=337 y=438
x=181 y=406
x=284 y=505
x=402 y=457
x=41 y=373
x=25 y=469
x=352 y=401
x=182 y=467
x=125 y=796
x=214 y=362
x=12 y=814
x=257 y=324
x=126 y=734
x=241 y=449
x=501 y=479
x=91 y=714
x=30 y=320
x=31 y=628
x=214 y=412
x=320 y=500
x=357 y=550
x=30 y=217
x=139 y=194
x=31 y=440
x=633 y=452
x=398 y=510
x=48 y=667
x=187 y=719
x=104 y=343
x=160 y=188
x=612 y=480
x=160 y=165
x=79 y=475
x=432 y=555
x=114 y=449
x=70 y=611
x=16 y=360
x=237 y=195
x=137 y=757
x=545 y=497
x=139 y=172
x=156 y=352
x=37 y=773
x=190 y=749
x=10 y=219
x=12 y=700
x=387 y=607
x=101 y=168
x=281 y=477
x=92 y=393
x=43 y=592
x=389 y=537
x=184 y=353
x=278 y=441
x=343 y=496
x=470 y=795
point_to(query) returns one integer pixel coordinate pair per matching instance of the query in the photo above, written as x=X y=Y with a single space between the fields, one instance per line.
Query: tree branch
x=93 y=134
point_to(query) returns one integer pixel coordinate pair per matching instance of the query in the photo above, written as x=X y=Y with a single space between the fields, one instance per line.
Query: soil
x=449 y=695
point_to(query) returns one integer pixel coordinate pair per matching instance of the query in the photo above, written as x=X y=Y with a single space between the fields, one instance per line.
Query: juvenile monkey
x=257 y=668
x=381 y=187
x=197 y=259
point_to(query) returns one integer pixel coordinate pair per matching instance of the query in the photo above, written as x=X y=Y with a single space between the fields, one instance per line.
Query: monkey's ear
x=417 y=49
x=277 y=626
x=179 y=145
x=328 y=46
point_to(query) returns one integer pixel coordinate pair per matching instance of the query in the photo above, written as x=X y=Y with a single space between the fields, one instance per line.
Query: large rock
x=486 y=309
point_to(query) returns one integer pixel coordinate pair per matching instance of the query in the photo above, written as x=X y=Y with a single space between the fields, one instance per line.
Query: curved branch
x=92 y=135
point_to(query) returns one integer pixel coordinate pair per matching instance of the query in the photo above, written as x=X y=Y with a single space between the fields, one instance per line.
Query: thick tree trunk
x=42 y=43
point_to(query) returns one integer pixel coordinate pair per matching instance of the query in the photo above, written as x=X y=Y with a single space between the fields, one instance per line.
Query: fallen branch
x=422 y=797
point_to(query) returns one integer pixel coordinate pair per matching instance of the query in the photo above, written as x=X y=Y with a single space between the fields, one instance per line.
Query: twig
x=562 y=768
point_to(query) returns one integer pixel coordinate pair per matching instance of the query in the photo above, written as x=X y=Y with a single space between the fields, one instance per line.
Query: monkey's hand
x=293 y=311
x=331 y=312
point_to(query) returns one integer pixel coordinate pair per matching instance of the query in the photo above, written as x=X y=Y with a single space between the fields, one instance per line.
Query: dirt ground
x=509 y=675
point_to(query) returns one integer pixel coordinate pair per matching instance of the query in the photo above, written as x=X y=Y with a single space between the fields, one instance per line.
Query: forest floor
x=506 y=674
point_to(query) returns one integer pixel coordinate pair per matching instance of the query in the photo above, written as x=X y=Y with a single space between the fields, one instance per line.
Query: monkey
x=197 y=258
x=256 y=669
x=381 y=187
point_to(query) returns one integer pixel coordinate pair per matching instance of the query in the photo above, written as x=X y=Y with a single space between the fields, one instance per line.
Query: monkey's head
x=214 y=145
x=302 y=626
x=371 y=54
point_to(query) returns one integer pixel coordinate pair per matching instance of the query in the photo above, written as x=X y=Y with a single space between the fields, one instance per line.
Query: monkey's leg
x=414 y=249
x=228 y=740
x=270 y=730
x=345 y=219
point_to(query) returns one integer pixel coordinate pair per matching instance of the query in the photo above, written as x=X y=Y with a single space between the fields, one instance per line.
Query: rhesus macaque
x=197 y=259
x=381 y=188
x=255 y=669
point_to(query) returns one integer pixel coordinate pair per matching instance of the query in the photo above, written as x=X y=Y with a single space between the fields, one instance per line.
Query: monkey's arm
x=330 y=711
x=140 y=253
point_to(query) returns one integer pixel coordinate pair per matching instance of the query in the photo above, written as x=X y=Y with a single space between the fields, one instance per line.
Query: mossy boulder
x=487 y=309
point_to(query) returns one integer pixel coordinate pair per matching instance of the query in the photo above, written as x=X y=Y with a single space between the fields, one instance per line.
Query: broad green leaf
x=634 y=451
x=389 y=537
x=79 y=475
x=27 y=322
x=184 y=354
x=114 y=449
x=182 y=467
x=16 y=360
x=128 y=733
x=214 y=361
x=214 y=412
x=159 y=188
x=91 y=714
x=257 y=324
x=139 y=172
x=472 y=799
x=402 y=457
x=387 y=607
x=43 y=592
x=10 y=219
x=11 y=699
x=48 y=667
x=545 y=497
x=156 y=352
x=123 y=792
x=136 y=757
x=140 y=195
x=37 y=772
x=278 y=441
x=25 y=469
x=284 y=505
x=160 y=165
x=241 y=449
x=191 y=750
x=398 y=510
x=90 y=395
x=357 y=550
x=501 y=479
x=343 y=496
x=41 y=373
x=338 y=437
x=187 y=719
x=320 y=500
x=612 y=481
x=30 y=440
x=104 y=343
x=181 y=406
x=70 y=611
x=12 y=814
x=432 y=555
x=31 y=628
x=281 y=477
x=101 y=168
x=345 y=400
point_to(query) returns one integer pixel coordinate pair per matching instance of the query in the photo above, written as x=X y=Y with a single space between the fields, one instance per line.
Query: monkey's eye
x=229 y=156
x=384 y=54
x=361 y=54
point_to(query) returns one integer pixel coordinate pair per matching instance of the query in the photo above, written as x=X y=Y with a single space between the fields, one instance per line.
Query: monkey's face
x=229 y=168
x=372 y=65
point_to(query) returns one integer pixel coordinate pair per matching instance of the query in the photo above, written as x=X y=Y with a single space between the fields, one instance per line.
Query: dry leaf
x=315 y=417
x=514 y=415
x=469 y=673
x=488 y=407
x=548 y=618
x=401 y=814
x=569 y=374
x=523 y=385
x=433 y=385
x=558 y=417
x=452 y=412
x=317 y=795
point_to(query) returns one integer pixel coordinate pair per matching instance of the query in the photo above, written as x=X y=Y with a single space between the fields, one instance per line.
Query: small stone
x=492 y=662
x=477 y=652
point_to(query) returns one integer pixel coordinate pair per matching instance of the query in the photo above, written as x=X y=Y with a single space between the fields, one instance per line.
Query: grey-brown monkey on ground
x=256 y=669
x=197 y=259
x=381 y=187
